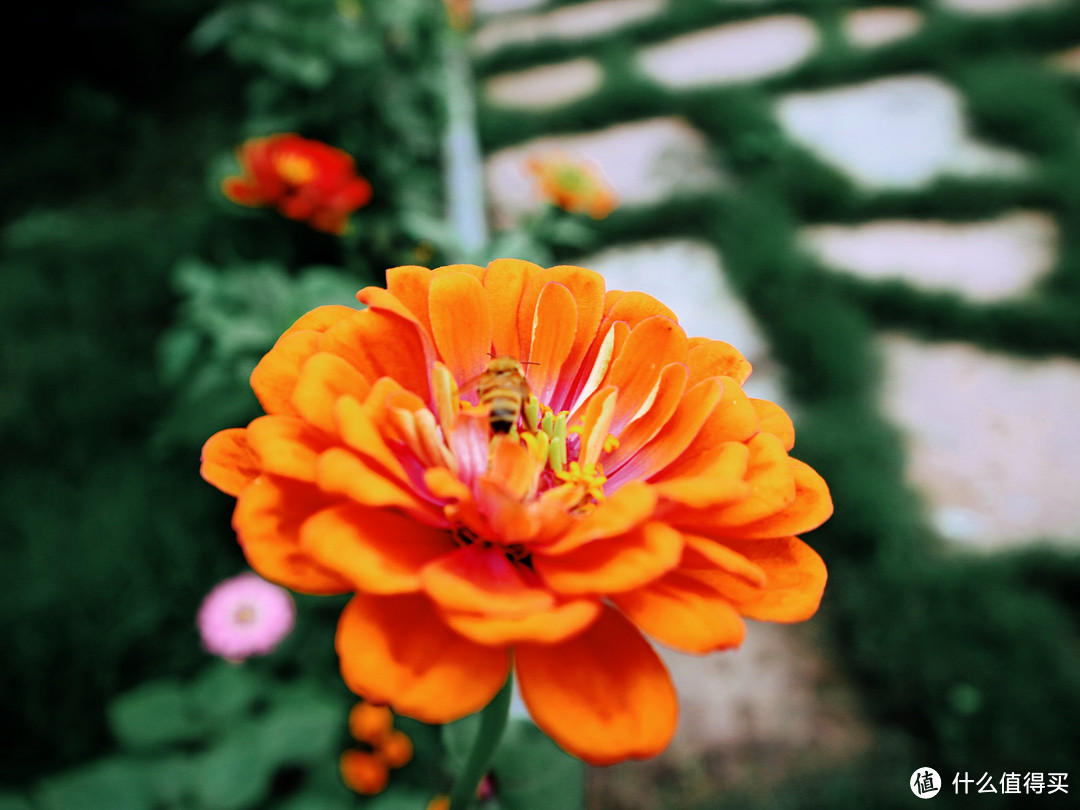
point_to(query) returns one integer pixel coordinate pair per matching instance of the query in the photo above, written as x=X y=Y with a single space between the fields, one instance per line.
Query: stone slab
x=994 y=7
x=874 y=27
x=901 y=132
x=732 y=53
x=575 y=22
x=546 y=86
x=993 y=441
x=983 y=261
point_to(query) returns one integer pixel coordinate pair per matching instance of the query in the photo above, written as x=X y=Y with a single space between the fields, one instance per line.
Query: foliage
x=227 y=320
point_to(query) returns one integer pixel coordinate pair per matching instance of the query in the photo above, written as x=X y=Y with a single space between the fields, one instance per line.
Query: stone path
x=992 y=441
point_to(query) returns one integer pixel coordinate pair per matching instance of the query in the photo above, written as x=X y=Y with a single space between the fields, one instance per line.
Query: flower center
x=245 y=614
x=293 y=168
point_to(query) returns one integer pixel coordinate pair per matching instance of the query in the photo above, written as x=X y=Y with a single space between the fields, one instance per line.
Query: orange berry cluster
x=367 y=771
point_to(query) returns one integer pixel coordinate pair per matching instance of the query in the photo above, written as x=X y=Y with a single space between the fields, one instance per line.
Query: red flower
x=305 y=180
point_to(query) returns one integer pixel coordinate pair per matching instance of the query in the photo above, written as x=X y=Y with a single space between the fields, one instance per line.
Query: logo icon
x=925 y=783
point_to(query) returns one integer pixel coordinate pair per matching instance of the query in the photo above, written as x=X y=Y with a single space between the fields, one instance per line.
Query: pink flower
x=245 y=616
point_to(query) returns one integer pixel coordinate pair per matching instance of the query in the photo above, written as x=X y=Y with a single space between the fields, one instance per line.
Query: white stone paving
x=732 y=53
x=995 y=7
x=575 y=22
x=901 y=132
x=993 y=441
x=983 y=261
x=874 y=27
x=644 y=161
x=488 y=8
x=546 y=86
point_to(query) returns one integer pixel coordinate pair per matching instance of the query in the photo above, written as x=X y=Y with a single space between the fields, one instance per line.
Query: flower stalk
x=461 y=151
x=493 y=718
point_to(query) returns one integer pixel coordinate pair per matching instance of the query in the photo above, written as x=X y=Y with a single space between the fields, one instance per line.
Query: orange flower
x=641 y=492
x=573 y=185
x=459 y=14
x=305 y=180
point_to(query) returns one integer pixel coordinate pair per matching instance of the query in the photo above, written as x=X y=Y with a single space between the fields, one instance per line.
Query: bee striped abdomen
x=503 y=389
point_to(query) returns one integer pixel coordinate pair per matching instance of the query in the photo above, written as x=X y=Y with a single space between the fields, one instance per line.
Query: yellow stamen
x=611 y=443
x=531 y=412
x=590 y=477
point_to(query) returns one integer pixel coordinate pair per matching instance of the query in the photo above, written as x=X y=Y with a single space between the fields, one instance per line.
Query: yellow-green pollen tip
x=590 y=477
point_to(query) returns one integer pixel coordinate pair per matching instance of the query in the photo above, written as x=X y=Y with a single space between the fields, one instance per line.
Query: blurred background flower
x=245 y=616
x=305 y=180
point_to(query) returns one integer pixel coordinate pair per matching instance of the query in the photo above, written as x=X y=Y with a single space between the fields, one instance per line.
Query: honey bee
x=503 y=389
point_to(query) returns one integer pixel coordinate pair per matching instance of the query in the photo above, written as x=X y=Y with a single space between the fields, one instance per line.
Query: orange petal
x=409 y=284
x=674 y=437
x=653 y=344
x=794 y=580
x=267 y=520
x=320 y=319
x=707 y=554
x=811 y=506
x=669 y=393
x=228 y=462
x=775 y=420
x=479 y=579
x=733 y=419
x=554 y=328
x=474 y=270
x=587 y=289
x=287 y=446
x=603 y=696
x=504 y=282
x=396 y=650
x=624 y=510
x=511 y=521
x=772 y=485
x=545 y=627
x=460 y=324
x=596 y=425
x=613 y=565
x=714 y=358
x=324 y=378
x=683 y=614
x=274 y=378
x=339 y=472
x=359 y=431
x=377 y=550
x=383 y=343
x=720 y=483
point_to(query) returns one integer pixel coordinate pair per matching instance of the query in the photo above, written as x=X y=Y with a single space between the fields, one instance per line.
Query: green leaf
x=458 y=738
x=231 y=775
x=535 y=774
x=224 y=694
x=118 y=784
x=305 y=727
x=152 y=716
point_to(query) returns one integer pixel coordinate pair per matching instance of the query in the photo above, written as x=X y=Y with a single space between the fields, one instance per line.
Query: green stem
x=493 y=719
